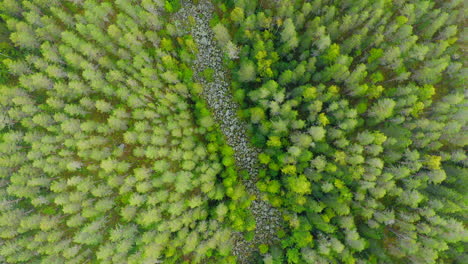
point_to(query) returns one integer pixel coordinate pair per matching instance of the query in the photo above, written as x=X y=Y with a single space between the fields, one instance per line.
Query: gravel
x=219 y=98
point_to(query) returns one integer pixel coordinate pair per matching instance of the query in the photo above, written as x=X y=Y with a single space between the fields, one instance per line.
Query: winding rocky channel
x=219 y=98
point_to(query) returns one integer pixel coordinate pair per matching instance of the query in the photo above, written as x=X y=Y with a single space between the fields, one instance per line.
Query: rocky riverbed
x=219 y=98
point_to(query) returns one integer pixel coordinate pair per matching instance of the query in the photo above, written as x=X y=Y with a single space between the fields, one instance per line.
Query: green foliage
x=107 y=152
x=263 y=248
x=172 y=6
x=208 y=74
x=349 y=105
x=247 y=71
x=237 y=15
x=7 y=53
x=221 y=34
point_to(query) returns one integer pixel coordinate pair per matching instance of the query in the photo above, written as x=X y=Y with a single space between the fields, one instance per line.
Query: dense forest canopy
x=248 y=131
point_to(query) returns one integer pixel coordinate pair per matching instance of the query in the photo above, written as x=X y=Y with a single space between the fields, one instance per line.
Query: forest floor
x=218 y=96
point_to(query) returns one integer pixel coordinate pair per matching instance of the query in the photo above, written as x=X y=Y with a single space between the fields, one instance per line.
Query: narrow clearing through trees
x=219 y=98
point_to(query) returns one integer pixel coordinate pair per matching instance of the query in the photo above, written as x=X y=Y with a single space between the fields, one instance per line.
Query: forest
x=233 y=131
